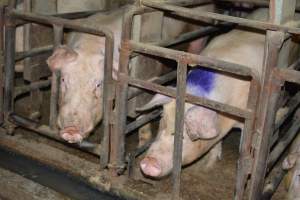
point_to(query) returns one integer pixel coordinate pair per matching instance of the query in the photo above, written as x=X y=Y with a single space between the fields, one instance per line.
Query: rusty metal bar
x=108 y=98
x=58 y=38
x=2 y=10
x=204 y=61
x=19 y=90
x=285 y=140
x=142 y=120
x=185 y=12
x=179 y=125
x=189 y=98
x=159 y=80
x=33 y=52
x=266 y=112
x=47 y=131
x=10 y=36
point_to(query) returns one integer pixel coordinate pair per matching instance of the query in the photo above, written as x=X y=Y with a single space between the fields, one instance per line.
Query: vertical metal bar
x=266 y=113
x=10 y=37
x=179 y=123
x=58 y=37
x=1 y=61
x=245 y=158
x=108 y=97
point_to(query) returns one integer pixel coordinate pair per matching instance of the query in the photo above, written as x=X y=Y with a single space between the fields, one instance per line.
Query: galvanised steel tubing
x=47 y=131
x=33 y=52
x=19 y=90
x=201 y=101
x=179 y=125
x=288 y=75
x=159 y=80
x=58 y=38
x=117 y=138
x=186 y=12
x=142 y=120
x=204 y=61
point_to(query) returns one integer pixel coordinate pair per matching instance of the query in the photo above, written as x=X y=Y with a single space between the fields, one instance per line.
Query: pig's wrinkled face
x=81 y=86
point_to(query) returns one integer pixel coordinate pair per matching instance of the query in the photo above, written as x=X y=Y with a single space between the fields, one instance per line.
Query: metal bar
x=189 y=98
x=19 y=90
x=58 y=38
x=289 y=75
x=266 y=112
x=33 y=52
x=2 y=10
x=285 y=141
x=49 y=20
x=179 y=123
x=204 y=61
x=10 y=36
x=142 y=120
x=47 y=131
x=77 y=15
x=159 y=80
x=185 y=12
x=108 y=98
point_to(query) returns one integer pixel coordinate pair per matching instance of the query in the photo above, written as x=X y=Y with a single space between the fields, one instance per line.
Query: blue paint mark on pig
x=200 y=81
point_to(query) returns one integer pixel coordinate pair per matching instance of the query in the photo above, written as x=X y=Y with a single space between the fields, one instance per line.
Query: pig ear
x=201 y=123
x=157 y=100
x=61 y=56
x=289 y=161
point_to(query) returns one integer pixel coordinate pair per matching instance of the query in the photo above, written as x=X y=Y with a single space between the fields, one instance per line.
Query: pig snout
x=150 y=166
x=71 y=134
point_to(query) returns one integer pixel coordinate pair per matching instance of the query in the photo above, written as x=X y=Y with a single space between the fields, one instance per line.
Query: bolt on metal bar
x=179 y=124
x=58 y=38
x=185 y=12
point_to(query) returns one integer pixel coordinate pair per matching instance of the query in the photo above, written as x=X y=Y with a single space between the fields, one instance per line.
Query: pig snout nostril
x=150 y=166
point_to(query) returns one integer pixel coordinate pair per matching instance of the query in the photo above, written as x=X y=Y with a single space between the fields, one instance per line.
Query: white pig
x=201 y=124
x=81 y=65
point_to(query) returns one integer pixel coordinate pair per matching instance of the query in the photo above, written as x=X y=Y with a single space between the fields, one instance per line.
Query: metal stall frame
x=11 y=119
x=129 y=48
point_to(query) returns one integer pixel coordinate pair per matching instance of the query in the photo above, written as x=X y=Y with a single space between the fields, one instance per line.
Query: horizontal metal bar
x=46 y=131
x=77 y=15
x=33 y=52
x=49 y=20
x=214 y=105
x=204 y=31
x=19 y=90
x=186 y=12
x=142 y=120
x=204 y=61
x=159 y=80
x=288 y=75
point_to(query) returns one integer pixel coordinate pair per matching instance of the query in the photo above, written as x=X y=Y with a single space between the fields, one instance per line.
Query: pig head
x=200 y=122
x=81 y=85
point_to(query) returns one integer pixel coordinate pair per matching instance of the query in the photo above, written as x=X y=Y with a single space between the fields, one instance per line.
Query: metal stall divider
x=12 y=119
x=130 y=48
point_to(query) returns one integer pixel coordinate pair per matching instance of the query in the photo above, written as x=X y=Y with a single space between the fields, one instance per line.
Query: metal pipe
x=285 y=140
x=58 y=38
x=243 y=113
x=289 y=75
x=47 y=131
x=185 y=12
x=33 y=52
x=204 y=61
x=142 y=120
x=19 y=90
x=159 y=80
x=1 y=62
x=179 y=125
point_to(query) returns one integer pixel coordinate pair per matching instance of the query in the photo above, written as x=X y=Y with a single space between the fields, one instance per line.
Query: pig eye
x=99 y=84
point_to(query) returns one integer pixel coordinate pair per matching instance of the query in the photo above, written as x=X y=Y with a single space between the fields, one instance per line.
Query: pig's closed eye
x=99 y=84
